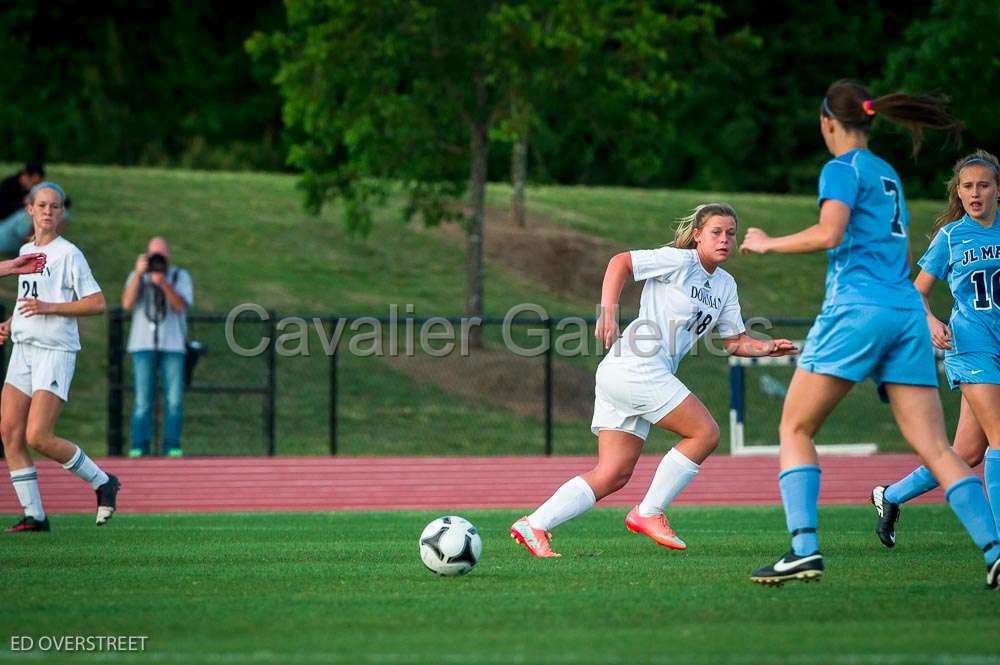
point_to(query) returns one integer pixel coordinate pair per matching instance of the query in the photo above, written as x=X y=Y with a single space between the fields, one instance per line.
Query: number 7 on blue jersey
x=891 y=188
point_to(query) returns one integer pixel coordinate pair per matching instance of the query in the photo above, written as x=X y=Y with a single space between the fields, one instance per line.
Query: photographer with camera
x=158 y=295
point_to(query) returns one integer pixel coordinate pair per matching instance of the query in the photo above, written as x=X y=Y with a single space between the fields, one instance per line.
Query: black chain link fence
x=403 y=386
x=860 y=418
x=229 y=404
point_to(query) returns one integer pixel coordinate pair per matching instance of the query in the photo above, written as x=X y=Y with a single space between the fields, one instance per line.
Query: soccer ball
x=450 y=546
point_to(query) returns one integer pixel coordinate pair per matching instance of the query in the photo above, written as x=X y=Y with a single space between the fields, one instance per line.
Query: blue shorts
x=858 y=342
x=972 y=368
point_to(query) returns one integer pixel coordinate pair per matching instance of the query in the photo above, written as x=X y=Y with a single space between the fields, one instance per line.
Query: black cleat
x=888 y=514
x=993 y=570
x=792 y=566
x=29 y=524
x=107 y=495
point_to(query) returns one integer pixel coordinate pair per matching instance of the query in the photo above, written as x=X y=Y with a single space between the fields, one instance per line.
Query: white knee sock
x=574 y=498
x=672 y=475
x=83 y=467
x=26 y=486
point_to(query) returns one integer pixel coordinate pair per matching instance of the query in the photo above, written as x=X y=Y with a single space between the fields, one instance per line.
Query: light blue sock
x=920 y=481
x=800 y=494
x=969 y=503
x=991 y=473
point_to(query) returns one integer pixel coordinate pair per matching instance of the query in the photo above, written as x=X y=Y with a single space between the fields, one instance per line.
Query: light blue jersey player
x=868 y=282
x=965 y=252
x=870 y=266
x=872 y=325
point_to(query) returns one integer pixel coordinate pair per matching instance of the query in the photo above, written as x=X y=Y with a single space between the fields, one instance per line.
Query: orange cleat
x=534 y=540
x=655 y=527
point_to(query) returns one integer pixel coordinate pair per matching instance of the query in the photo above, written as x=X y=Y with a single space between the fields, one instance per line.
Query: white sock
x=574 y=498
x=26 y=486
x=672 y=475
x=84 y=468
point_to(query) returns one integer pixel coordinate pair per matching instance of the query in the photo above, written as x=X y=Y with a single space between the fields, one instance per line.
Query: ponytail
x=684 y=231
x=852 y=105
x=954 y=209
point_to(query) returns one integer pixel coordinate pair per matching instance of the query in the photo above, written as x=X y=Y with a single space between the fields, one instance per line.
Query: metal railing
x=492 y=401
x=118 y=387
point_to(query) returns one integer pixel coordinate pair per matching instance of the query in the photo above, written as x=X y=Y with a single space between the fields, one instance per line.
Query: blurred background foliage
x=172 y=83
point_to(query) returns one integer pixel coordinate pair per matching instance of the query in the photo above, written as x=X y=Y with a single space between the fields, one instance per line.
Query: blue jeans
x=172 y=379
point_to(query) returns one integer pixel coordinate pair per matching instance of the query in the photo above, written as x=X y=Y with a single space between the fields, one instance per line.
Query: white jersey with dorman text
x=66 y=278
x=681 y=301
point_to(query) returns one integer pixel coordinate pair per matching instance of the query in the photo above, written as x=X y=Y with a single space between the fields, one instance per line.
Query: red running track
x=244 y=484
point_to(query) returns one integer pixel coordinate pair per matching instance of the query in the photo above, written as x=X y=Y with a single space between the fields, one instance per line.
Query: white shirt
x=66 y=278
x=681 y=301
x=172 y=332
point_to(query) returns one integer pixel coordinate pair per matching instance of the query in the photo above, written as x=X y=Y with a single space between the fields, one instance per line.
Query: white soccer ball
x=450 y=546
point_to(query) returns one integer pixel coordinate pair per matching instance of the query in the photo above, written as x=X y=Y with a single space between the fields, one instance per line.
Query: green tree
x=743 y=114
x=404 y=95
x=137 y=81
x=950 y=52
x=387 y=95
x=613 y=68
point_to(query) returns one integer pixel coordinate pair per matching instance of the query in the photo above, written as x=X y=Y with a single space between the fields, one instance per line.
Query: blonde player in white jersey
x=46 y=341
x=685 y=296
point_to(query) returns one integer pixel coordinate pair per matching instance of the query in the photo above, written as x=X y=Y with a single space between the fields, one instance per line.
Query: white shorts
x=631 y=398
x=33 y=368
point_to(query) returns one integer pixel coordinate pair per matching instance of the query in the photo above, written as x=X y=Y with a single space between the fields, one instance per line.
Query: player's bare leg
x=970 y=444
x=616 y=458
x=984 y=399
x=810 y=400
x=14 y=407
x=617 y=454
x=921 y=420
x=699 y=437
x=45 y=410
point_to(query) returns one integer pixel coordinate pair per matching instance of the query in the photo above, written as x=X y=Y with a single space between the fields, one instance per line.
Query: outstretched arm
x=26 y=264
x=618 y=271
x=827 y=234
x=748 y=347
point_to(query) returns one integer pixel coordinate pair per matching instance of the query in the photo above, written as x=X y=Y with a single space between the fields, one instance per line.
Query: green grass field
x=245 y=238
x=350 y=588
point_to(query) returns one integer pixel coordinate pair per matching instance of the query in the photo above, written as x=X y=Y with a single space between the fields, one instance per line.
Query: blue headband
x=979 y=160
x=48 y=185
x=826 y=108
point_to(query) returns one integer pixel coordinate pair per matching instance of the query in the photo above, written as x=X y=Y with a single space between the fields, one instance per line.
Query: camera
x=156 y=263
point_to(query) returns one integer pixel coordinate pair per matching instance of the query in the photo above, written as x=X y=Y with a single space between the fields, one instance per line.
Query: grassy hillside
x=789 y=285
x=245 y=238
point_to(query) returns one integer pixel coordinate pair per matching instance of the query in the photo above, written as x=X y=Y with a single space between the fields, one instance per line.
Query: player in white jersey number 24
x=685 y=296
x=46 y=341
